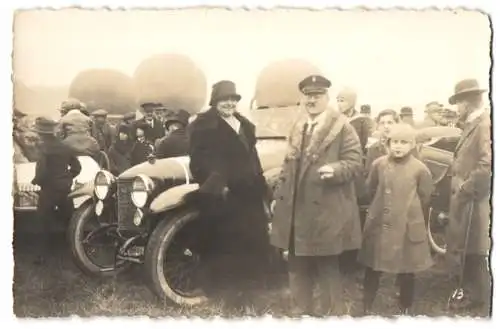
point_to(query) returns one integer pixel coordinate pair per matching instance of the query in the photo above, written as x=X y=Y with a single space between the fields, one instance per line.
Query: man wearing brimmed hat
x=471 y=188
x=73 y=120
x=101 y=130
x=316 y=215
x=153 y=128
x=128 y=118
x=224 y=161
x=406 y=115
x=55 y=170
x=433 y=115
x=175 y=143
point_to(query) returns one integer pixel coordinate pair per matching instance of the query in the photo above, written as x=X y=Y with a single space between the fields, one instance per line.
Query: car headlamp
x=103 y=184
x=142 y=187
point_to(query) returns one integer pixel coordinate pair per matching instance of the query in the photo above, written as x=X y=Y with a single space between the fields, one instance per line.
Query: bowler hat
x=314 y=84
x=44 y=125
x=465 y=87
x=181 y=117
x=366 y=109
x=149 y=106
x=223 y=90
x=406 y=111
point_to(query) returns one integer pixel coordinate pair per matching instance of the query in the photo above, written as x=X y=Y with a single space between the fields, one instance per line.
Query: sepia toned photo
x=224 y=162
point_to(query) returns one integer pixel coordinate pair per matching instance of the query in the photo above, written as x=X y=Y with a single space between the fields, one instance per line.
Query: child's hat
x=403 y=131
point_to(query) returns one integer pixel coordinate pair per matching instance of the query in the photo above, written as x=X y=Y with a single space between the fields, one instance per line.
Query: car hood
x=271 y=154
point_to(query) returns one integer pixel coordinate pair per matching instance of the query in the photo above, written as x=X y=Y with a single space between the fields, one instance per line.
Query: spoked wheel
x=172 y=262
x=94 y=243
x=436 y=231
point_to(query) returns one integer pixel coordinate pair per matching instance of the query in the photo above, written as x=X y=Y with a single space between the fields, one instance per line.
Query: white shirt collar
x=233 y=122
x=316 y=120
x=474 y=115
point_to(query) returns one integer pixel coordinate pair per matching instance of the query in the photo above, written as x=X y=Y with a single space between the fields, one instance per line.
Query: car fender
x=172 y=198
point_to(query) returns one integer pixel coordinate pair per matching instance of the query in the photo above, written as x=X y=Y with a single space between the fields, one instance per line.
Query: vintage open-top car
x=25 y=193
x=145 y=216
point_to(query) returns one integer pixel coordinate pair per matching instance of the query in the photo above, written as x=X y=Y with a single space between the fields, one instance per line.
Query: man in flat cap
x=128 y=118
x=175 y=143
x=316 y=215
x=471 y=172
x=433 y=115
x=153 y=128
x=406 y=115
x=102 y=130
x=225 y=163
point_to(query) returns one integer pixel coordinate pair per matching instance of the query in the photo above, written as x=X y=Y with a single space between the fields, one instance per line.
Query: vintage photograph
x=234 y=162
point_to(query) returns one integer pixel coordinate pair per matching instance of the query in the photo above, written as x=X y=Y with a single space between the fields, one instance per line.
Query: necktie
x=310 y=128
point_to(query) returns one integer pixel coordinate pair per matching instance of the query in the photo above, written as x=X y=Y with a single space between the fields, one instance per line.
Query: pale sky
x=392 y=58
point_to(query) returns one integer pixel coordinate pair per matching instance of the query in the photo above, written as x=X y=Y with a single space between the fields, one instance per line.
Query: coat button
x=387 y=191
x=387 y=210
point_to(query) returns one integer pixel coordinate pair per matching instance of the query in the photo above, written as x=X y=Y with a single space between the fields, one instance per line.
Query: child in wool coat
x=394 y=235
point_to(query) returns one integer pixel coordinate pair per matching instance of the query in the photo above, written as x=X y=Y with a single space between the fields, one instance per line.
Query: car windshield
x=273 y=122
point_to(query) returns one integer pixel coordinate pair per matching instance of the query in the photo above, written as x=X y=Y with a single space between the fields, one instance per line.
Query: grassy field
x=59 y=289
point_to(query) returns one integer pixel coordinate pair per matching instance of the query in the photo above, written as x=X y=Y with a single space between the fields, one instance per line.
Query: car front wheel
x=171 y=261
x=94 y=243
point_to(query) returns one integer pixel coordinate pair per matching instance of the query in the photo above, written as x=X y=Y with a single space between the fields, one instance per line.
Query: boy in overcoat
x=470 y=197
x=316 y=216
x=394 y=234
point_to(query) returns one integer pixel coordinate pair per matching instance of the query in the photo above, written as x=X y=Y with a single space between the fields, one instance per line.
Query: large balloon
x=104 y=88
x=173 y=80
x=277 y=83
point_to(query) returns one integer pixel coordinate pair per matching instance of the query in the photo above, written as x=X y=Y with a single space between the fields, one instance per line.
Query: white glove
x=325 y=172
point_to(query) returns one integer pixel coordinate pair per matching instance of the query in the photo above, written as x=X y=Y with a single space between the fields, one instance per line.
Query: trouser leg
x=479 y=278
x=406 y=290
x=370 y=287
x=330 y=284
x=45 y=215
x=301 y=282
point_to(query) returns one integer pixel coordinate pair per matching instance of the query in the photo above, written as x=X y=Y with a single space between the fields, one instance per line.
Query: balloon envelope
x=173 y=80
x=104 y=88
x=277 y=83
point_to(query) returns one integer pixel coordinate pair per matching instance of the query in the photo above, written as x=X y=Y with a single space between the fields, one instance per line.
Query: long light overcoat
x=471 y=169
x=394 y=235
x=324 y=214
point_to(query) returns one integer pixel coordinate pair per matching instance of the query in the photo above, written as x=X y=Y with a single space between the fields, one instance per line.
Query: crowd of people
x=315 y=208
x=331 y=167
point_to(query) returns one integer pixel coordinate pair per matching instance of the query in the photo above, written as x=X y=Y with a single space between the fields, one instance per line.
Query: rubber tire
x=158 y=242
x=78 y=254
x=435 y=247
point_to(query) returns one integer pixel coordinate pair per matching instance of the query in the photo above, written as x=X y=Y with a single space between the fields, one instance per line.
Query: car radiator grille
x=126 y=208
